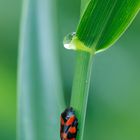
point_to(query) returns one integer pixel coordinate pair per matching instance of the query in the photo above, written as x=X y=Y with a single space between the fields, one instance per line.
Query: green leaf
x=84 y=4
x=40 y=94
x=104 y=21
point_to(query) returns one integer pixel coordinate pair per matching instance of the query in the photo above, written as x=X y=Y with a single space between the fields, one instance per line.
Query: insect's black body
x=69 y=124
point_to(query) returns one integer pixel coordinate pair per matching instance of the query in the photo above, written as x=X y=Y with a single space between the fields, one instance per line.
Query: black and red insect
x=68 y=125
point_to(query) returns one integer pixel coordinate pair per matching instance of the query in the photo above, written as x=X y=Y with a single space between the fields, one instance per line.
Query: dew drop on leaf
x=67 y=41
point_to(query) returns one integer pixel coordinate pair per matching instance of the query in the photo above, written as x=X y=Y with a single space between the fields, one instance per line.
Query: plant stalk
x=80 y=88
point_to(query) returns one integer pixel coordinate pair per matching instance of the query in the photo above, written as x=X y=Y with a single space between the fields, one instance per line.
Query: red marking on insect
x=70 y=120
x=72 y=130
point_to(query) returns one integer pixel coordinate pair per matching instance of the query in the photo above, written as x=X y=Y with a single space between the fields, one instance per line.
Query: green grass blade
x=40 y=94
x=104 y=21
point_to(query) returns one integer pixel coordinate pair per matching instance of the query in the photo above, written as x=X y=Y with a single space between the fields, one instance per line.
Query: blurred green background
x=114 y=99
x=9 y=31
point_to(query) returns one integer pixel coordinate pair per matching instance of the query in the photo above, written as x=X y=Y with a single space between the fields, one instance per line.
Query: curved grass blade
x=104 y=21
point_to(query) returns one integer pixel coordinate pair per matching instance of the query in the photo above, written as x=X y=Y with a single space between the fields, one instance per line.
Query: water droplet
x=68 y=41
x=72 y=42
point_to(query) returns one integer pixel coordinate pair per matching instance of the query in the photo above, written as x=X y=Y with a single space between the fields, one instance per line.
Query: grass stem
x=80 y=88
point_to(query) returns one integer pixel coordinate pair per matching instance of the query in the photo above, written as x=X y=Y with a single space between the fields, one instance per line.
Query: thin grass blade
x=40 y=93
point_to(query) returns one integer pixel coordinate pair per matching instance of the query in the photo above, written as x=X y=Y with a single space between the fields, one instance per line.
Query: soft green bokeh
x=114 y=100
x=9 y=24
